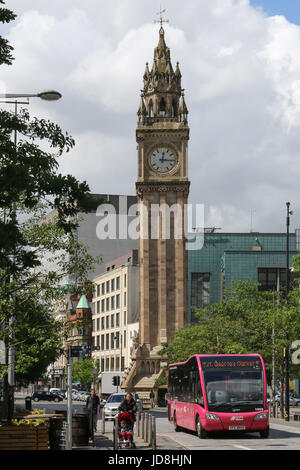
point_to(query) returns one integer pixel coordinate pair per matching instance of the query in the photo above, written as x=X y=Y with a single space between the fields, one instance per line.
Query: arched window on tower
x=150 y=108
x=162 y=107
x=174 y=108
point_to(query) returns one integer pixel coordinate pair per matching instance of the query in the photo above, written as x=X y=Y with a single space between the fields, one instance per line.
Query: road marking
x=238 y=446
x=177 y=442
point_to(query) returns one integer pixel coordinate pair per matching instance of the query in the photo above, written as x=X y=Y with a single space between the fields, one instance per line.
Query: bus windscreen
x=233 y=383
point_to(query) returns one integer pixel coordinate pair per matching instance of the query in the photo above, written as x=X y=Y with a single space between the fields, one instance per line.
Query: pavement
x=104 y=441
x=283 y=435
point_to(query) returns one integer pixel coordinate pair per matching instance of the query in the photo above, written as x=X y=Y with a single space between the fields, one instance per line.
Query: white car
x=112 y=404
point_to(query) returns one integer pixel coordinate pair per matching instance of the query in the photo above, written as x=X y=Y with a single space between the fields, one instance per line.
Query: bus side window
x=198 y=390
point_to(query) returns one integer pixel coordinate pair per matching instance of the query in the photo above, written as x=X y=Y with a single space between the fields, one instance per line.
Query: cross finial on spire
x=161 y=20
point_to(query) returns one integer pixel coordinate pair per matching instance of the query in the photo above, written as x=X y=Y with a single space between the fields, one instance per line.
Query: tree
x=243 y=323
x=83 y=371
x=29 y=177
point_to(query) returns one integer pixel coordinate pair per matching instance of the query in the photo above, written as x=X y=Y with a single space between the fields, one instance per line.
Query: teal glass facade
x=228 y=257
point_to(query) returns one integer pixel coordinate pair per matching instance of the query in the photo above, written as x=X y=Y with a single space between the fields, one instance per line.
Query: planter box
x=24 y=438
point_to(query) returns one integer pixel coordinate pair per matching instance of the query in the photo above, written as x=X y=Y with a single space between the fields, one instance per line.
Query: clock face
x=163 y=159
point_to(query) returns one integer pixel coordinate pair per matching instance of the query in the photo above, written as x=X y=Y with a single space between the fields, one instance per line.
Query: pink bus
x=226 y=392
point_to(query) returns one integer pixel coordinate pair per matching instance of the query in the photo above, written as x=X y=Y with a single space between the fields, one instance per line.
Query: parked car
x=83 y=395
x=46 y=396
x=293 y=400
x=60 y=392
x=75 y=394
x=102 y=402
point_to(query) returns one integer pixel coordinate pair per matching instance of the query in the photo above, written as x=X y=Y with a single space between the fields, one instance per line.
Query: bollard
x=103 y=422
x=146 y=428
x=116 y=433
x=153 y=433
x=150 y=431
x=276 y=410
x=143 y=425
x=138 y=423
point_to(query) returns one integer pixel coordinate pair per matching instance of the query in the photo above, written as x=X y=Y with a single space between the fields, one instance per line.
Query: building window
x=102 y=343
x=107 y=364
x=112 y=321
x=93 y=325
x=298 y=239
x=107 y=304
x=98 y=324
x=98 y=340
x=118 y=319
x=112 y=363
x=98 y=290
x=125 y=280
x=124 y=339
x=112 y=340
x=102 y=365
x=117 y=338
x=118 y=301
x=107 y=322
x=200 y=287
x=102 y=324
x=112 y=285
x=118 y=282
x=107 y=286
x=118 y=363
x=125 y=299
x=102 y=306
x=98 y=306
x=112 y=303
x=122 y=363
x=107 y=342
x=125 y=319
x=103 y=288
x=271 y=278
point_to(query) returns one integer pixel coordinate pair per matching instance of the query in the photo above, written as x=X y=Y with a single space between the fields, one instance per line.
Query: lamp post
x=10 y=383
x=287 y=349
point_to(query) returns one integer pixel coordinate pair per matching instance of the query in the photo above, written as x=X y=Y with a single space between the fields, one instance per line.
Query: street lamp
x=50 y=95
x=287 y=349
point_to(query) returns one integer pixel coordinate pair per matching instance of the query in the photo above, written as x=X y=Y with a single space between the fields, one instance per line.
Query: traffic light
x=116 y=380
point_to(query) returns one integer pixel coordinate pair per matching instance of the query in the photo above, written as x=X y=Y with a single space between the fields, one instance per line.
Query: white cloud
x=241 y=73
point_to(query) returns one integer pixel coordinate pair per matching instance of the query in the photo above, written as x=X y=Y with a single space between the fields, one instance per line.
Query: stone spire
x=162 y=90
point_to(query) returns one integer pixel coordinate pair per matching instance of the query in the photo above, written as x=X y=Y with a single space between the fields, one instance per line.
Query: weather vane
x=161 y=20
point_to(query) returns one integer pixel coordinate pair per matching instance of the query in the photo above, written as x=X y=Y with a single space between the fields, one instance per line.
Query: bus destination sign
x=231 y=362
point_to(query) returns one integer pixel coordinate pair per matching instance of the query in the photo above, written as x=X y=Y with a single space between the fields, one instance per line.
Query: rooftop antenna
x=161 y=20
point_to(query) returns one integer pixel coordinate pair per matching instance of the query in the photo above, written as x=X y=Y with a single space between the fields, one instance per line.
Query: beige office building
x=115 y=313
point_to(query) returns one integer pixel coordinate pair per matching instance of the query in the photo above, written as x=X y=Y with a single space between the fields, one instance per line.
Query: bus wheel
x=201 y=433
x=265 y=433
x=176 y=427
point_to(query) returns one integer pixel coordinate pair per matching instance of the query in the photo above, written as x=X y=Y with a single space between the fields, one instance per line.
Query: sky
x=240 y=68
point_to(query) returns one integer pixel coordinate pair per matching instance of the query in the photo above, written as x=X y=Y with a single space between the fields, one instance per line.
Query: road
x=283 y=436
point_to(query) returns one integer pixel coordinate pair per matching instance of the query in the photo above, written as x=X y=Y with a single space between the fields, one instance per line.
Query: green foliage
x=32 y=187
x=242 y=323
x=83 y=370
x=6 y=16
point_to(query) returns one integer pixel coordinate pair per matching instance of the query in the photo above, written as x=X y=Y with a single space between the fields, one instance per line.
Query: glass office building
x=228 y=257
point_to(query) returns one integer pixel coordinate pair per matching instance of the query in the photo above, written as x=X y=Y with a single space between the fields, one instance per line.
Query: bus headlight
x=212 y=417
x=263 y=415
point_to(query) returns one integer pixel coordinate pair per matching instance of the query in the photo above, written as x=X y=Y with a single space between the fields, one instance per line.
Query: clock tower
x=162 y=188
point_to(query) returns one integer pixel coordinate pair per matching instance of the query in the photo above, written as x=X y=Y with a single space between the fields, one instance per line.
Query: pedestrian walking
x=152 y=396
x=93 y=405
